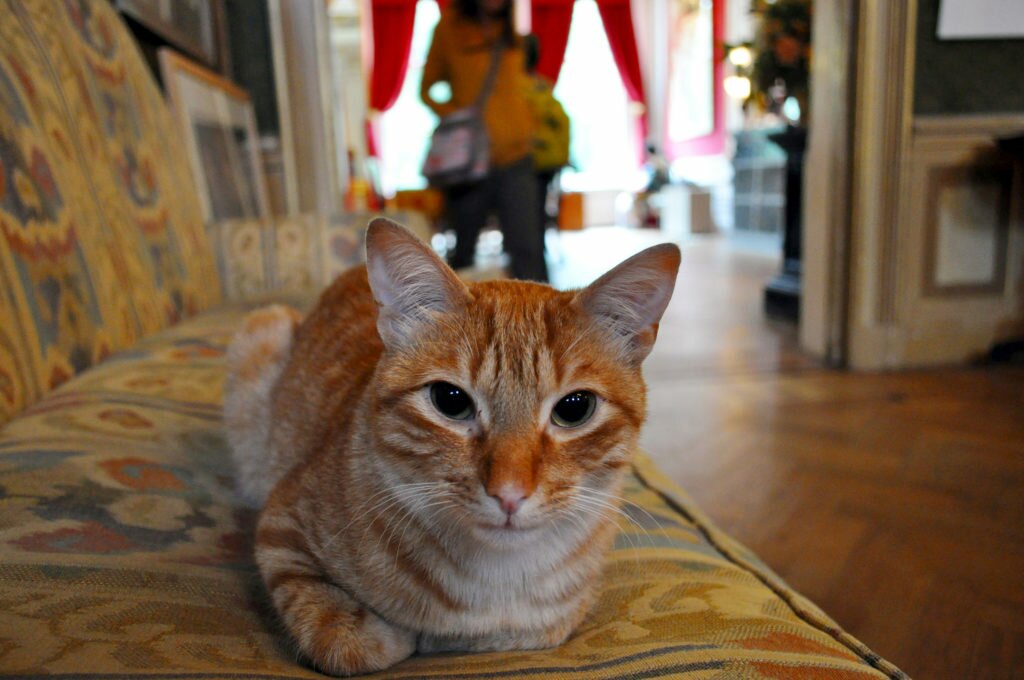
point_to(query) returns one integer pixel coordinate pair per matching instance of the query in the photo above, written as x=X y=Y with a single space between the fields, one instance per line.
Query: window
x=406 y=127
x=691 y=87
x=604 y=142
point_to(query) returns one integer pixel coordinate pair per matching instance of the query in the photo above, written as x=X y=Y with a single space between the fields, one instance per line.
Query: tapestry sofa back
x=101 y=236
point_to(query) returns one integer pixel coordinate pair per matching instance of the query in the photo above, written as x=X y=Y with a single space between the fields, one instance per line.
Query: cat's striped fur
x=389 y=527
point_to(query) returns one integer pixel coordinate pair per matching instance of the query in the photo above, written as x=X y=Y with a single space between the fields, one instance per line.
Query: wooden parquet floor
x=895 y=501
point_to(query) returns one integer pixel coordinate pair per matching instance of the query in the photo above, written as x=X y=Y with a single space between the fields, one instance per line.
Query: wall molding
x=941 y=177
x=824 y=300
x=882 y=125
x=906 y=307
x=989 y=125
x=896 y=124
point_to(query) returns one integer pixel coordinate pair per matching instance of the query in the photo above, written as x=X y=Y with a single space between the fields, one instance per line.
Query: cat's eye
x=574 y=409
x=452 y=401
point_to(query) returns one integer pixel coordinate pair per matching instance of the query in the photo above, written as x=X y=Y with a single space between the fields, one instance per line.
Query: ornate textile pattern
x=341 y=238
x=342 y=242
x=55 y=315
x=100 y=236
x=140 y=168
x=122 y=554
x=294 y=255
x=244 y=248
x=296 y=263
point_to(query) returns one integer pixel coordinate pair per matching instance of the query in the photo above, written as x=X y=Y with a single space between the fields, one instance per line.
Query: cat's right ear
x=630 y=299
x=410 y=283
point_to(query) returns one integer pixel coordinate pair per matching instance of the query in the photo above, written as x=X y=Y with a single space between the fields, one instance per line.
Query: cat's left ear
x=630 y=299
x=410 y=283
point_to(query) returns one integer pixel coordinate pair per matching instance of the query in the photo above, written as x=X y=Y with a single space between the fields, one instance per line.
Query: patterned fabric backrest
x=298 y=255
x=101 y=236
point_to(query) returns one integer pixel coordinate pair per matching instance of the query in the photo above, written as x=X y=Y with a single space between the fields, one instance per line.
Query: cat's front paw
x=351 y=647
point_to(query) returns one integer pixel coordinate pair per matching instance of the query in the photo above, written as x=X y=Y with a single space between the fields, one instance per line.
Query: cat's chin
x=505 y=535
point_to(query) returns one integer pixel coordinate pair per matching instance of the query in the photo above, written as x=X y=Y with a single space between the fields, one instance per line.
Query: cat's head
x=509 y=407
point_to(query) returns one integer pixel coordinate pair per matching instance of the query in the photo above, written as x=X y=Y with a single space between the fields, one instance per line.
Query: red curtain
x=443 y=3
x=392 y=22
x=617 y=17
x=550 y=22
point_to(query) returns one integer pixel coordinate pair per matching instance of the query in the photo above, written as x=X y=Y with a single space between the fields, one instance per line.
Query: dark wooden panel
x=150 y=35
x=252 y=65
x=965 y=76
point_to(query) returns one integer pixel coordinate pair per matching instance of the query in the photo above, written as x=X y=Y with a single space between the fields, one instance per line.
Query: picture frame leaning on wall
x=218 y=126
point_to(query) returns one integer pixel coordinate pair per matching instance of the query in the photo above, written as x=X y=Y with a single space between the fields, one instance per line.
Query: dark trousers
x=544 y=179
x=511 y=192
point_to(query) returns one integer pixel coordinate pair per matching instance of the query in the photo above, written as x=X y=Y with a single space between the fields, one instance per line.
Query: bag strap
x=492 y=74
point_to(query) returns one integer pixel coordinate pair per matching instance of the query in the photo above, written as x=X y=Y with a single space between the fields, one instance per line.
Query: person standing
x=466 y=37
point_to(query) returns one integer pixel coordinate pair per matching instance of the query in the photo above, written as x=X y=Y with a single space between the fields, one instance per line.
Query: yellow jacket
x=460 y=54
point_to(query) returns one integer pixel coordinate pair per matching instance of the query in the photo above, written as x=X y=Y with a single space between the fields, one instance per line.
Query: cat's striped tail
x=256 y=357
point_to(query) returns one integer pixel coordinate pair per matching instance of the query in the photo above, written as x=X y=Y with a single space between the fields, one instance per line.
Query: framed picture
x=219 y=130
x=980 y=19
x=189 y=25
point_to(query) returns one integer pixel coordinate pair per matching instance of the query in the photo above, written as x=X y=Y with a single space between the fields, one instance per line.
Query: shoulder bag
x=459 y=148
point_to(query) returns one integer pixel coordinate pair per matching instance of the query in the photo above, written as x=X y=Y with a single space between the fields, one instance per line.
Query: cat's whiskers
x=579 y=523
x=584 y=506
x=592 y=504
x=411 y=518
x=567 y=539
x=407 y=514
x=619 y=499
x=392 y=493
x=399 y=511
x=597 y=502
x=598 y=512
x=375 y=509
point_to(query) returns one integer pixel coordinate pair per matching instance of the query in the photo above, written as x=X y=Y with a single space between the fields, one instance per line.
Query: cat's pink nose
x=510 y=498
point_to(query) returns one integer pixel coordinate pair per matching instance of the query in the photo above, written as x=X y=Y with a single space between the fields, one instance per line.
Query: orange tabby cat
x=439 y=462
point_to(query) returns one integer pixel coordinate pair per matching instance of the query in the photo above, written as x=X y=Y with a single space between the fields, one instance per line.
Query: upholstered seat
x=124 y=552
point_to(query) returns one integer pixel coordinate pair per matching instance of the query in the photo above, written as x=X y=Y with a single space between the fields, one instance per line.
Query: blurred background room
x=838 y=379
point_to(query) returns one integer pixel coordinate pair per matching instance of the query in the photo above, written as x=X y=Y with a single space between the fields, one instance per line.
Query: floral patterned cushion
x=124 y=554
x=101 y=238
